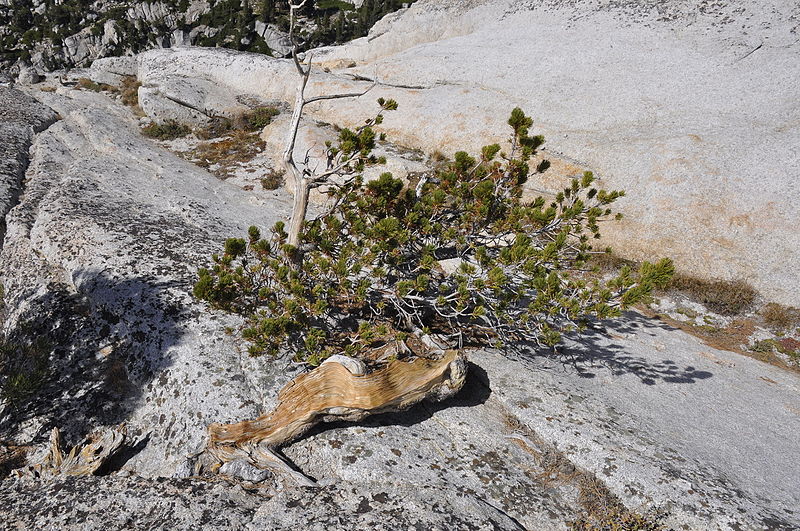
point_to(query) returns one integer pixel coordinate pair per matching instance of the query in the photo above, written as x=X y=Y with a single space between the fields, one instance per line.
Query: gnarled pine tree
x=393 y=268
x=459 y=255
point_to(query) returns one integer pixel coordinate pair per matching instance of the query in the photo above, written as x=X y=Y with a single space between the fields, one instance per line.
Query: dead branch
x=335 y=391
x=340 y=96
x=82 y=460
x=302 y=181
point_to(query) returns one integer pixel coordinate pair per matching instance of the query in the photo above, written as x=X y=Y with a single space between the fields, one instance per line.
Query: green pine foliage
x=460 y=255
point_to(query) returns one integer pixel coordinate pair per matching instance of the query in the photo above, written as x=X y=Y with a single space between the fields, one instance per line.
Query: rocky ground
x=105 y=231
x=100 y=256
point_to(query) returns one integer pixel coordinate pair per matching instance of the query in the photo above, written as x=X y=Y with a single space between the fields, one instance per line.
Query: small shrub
x=272 y=181
x=169 y=130
x=370 y=269
x=258 y=118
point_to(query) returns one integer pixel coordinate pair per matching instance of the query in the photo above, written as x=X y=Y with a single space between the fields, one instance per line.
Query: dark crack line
x=751 y=52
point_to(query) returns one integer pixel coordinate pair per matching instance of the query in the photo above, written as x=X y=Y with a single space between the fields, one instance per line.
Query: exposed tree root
x=334 y=391
x=82 y=460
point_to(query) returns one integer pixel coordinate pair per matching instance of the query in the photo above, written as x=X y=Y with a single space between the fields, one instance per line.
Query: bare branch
x=297 y=64
x=340 y=96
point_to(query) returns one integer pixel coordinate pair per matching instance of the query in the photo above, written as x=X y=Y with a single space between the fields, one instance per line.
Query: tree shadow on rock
x=107 y=342
x=596 y=348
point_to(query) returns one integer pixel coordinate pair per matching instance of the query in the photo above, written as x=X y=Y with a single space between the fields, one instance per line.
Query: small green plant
x=460 y=256
x=23 y=369
x=787 y=346
x=169 y=130
x=259 y=118
x=764 y=345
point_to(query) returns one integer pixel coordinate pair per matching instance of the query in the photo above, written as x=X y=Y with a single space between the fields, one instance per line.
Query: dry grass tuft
x=780 y=317
x=223 y=156
x=129 y=91
x=621 y=519
x=273 y=180
x=250 y=121
x=725 y=297
x=169 y=130
x=608 y=262
x=87 y=84
x=601 y=509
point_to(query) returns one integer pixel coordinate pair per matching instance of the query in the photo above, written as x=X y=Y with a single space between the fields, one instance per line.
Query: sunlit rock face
x=691 y=109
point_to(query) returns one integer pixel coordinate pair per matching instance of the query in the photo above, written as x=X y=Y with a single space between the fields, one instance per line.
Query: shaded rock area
x=99 y=260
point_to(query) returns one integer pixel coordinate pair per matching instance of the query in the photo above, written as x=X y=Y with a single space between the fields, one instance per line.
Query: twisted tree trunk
x=334 y=392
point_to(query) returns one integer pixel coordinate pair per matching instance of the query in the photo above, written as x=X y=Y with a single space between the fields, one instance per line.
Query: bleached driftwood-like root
x=81 y=460
x=331 y=392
